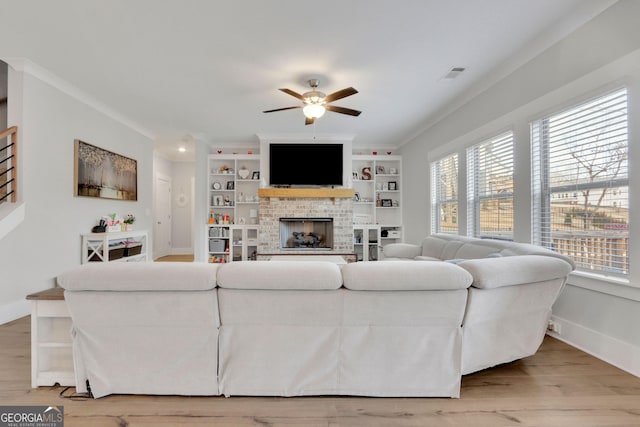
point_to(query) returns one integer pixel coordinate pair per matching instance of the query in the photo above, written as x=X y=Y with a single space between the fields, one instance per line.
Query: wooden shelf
x=52 y=294
x=333 y=193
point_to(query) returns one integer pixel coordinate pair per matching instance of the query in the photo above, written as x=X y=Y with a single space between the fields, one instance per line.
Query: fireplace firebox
x=306 y=233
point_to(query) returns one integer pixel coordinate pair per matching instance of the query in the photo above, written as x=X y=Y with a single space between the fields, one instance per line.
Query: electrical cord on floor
x=76 y=396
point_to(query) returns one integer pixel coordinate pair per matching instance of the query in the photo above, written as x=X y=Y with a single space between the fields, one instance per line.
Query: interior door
x=163 y=217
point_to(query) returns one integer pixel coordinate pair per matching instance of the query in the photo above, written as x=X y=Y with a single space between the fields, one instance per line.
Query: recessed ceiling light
x=182 y=149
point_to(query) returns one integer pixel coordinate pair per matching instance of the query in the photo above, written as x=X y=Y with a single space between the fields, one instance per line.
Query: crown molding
x=27 y=66
x=304 y=137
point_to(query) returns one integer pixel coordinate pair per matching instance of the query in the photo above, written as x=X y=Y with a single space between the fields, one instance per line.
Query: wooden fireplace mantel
x=333 y=193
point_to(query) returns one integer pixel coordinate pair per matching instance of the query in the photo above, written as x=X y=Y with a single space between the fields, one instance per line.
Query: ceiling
x=205 y=70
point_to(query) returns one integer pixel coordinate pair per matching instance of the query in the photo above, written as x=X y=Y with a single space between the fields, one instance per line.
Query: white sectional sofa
x=290 y=328
x=509 y=303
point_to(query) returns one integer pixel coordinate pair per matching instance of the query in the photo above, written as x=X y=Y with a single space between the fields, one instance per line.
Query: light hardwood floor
x=559 y=386
x=175 y=258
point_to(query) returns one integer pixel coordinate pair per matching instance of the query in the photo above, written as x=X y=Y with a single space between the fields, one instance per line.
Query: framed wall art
x=104 y=174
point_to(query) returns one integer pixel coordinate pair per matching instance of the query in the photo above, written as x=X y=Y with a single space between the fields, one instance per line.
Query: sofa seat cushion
x=306 y=275
x=139 y=276
x=404 y=276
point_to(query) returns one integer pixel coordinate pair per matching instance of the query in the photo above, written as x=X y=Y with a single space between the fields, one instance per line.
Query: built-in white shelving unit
x=233 y=203
x=377 y=207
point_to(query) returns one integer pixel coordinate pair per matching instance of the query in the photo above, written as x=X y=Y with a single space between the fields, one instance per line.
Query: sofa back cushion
x=451 y=246
x=404 y=276
x=140 y=276
x=433 y=247
x=474 y=250
x=279 y=275
x=401 y=250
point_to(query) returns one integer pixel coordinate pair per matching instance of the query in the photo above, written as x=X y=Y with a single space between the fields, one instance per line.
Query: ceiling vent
x=454 y=72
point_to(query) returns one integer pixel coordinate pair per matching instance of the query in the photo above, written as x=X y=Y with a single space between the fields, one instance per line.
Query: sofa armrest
x=515 y=270
x=401 y=250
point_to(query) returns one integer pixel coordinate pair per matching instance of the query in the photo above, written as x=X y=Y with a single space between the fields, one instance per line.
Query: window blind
x=444 y=195
x=490 y=188
x=581 y=184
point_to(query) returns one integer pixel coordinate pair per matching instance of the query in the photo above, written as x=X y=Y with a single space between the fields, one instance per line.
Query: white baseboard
x=14 y=310
x=181 y=251
x=616 y=352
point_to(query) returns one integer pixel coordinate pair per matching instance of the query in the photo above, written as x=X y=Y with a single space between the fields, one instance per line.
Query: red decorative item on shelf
x=375 y=153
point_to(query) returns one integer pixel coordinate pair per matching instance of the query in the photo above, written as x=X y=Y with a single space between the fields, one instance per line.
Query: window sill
x=615 y=286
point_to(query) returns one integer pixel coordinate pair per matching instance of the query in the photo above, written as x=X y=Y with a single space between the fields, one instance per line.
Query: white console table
x=96 y=246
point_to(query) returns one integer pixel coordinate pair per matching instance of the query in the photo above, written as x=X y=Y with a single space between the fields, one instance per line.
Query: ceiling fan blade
x=309 y=121
x=343 y=110
x=282 y=109
x=340 y=94
x=292 y=93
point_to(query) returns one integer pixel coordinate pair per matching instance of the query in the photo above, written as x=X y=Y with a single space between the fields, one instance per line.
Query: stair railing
x=9 y=165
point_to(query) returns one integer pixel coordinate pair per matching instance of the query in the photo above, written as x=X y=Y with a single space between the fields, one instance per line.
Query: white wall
x=48 y=240
x=602 y=54
x=182 y=216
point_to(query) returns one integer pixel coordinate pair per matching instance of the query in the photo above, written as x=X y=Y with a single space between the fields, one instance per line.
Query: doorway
x=162 y=220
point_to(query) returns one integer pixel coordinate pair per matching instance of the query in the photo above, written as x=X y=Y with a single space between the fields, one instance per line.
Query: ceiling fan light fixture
x=313 y=111
x=316 y=103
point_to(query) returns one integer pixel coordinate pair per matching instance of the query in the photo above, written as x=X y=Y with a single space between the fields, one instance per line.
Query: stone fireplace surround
x=340 y=209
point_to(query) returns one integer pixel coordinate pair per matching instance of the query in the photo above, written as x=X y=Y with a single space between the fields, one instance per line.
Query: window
x=581 y=184
x=444 y=195
x=490 y=188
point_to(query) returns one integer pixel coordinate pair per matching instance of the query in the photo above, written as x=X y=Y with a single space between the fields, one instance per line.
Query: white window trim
x=610 y=285
x=435 y=203
x=540 y=168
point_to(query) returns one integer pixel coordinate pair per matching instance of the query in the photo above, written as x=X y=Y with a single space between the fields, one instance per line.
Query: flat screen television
x=305 y=164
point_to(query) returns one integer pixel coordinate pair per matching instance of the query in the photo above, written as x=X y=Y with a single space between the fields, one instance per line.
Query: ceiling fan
x=314 y=102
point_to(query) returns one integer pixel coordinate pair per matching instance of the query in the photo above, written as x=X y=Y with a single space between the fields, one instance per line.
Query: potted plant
x=128 y=221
